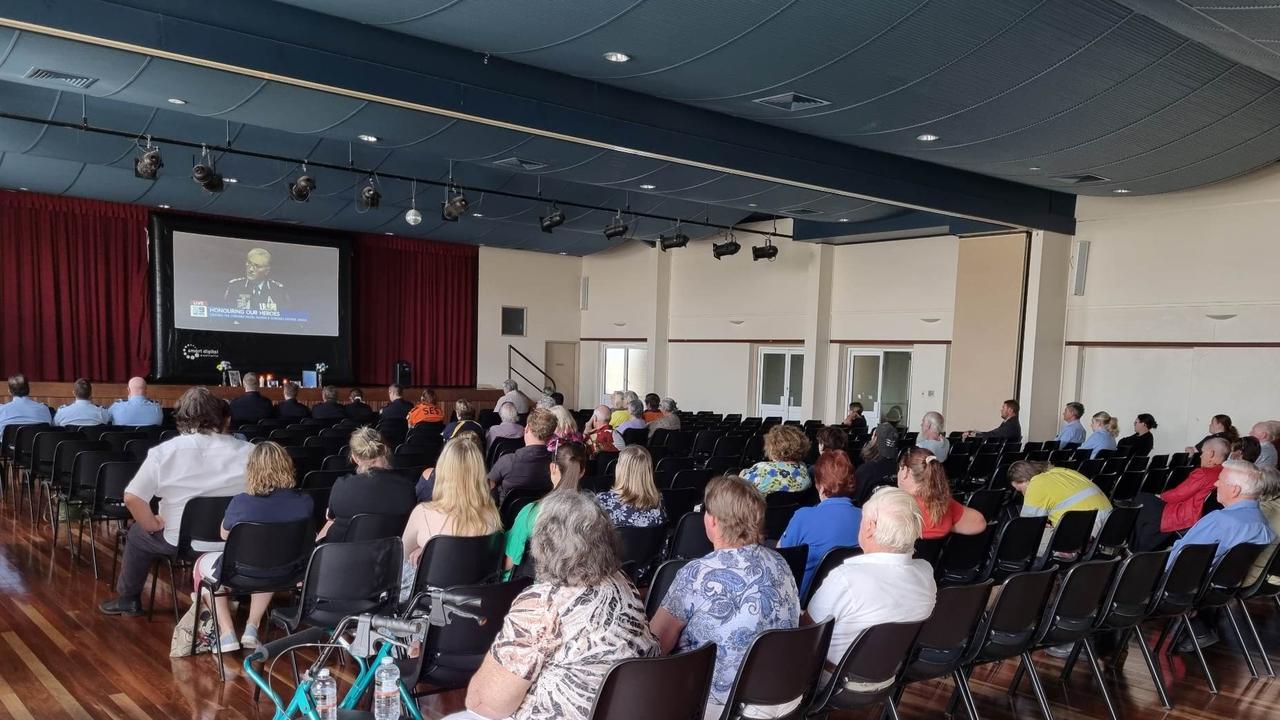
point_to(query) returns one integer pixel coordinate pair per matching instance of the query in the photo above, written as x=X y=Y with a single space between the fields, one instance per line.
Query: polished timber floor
x=60 y=658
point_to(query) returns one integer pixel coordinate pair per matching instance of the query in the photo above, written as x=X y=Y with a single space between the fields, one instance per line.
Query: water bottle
x=386 y=691
x=324 y=693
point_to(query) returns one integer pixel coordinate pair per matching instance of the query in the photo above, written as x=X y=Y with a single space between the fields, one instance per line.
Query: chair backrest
x=84 y=468
x=988 y=502
x=202 y=521
x=449 y=560
x=796 y=556
x=277 y=552
x=373 y=526
x=1078 y=602
x=24 y=441
x=873 y=661
x=1113 y=539
x=515 y=501
x=642 y=546
x=679 y=501
x=1128 y=486
x=1133 y=588
x=694 y=478
x=46 y=444
x=1010 y=626
x=1070 y=537
x=662 y=579
x=350 y=578
x=777 y=517
x=690 y=538
x=319 y=503
x=930 y=550
x=322 y=478
x=64 y=456
x=672 y=687
x=139 y=447
x=1266 y=584
x=635 y=436
x=947 y=633
x=1227 y=577
x=503 y=446
x=1182 y=581
x=453 y=652
x=1017 y=546
x=112 y=478
x=780 y=666
x=965 y=556
x=834 y=558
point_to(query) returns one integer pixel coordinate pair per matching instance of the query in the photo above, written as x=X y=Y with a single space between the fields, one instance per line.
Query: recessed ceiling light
x=388 y=233
x=1034 y=167
x=564 y=253
x=618 y=57
x=751 y=205
x=367 y=138
x=23 y=189
x=927 y=137
x=477 y=214
x=647 y=186
x=230 y=180
x=844 y=219
x=1121 y=191
x=162 y=206
x=177 y=101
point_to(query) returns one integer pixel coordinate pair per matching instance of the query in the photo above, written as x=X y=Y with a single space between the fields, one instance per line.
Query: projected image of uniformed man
x=256 y=290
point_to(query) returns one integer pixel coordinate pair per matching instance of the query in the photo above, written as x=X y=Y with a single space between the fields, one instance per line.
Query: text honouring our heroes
x=202 y=310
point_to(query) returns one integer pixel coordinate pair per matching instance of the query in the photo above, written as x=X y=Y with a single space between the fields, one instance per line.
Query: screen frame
x=165 y=361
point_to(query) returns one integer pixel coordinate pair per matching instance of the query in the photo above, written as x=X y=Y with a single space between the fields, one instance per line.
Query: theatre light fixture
x=205 y=173
x=726 y=248
x=552 y=220
x=616 y=228
x=673 y=241
x=148 y=163
x=454 y=206
x=300 y=190
x=767 y=251
x=368 y=197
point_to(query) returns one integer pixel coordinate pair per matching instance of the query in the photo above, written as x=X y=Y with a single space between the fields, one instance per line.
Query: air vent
x=1085 y=179
x=802 y=211
x=792 y=102
x=76 y=81
x=520 y=163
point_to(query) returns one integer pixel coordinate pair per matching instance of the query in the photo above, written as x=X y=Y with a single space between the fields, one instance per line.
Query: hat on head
x=886 y=440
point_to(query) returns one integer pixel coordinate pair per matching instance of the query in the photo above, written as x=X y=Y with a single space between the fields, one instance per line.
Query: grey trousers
x=140 y=550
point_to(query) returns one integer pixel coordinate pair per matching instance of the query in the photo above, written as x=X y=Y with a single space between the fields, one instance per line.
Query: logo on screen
x=199 y=309
x=191 y=352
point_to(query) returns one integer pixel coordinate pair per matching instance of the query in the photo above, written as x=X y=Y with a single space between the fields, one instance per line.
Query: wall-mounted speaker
x=582 y=301
x=403 y=373
x=1082 y=266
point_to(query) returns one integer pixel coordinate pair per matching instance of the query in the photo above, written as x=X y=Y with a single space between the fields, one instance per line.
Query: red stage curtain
x=414 y=300
x=73 y=288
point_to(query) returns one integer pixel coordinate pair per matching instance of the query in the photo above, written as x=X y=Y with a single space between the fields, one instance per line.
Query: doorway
x=780 y=382
x=881 y=381
x=562 y=366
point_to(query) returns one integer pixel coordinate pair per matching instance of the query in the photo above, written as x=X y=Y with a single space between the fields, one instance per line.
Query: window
x=626 y=367
x=513 y=321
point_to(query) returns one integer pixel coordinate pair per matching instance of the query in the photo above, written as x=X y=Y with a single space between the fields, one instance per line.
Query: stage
x=55 y=394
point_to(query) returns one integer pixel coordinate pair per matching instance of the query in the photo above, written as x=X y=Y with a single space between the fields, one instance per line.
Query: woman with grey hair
x=565 y=631
x=669 y=420
x=931 y=438
x=635 y=421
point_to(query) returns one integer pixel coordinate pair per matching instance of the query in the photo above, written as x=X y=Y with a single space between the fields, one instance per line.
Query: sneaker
x=249 y=640
x=1208 y=639
x=1060 y=651
x=229 y=643
x=129 y=607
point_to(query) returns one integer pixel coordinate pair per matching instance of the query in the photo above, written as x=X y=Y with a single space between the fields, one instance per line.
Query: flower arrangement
x=223 y=366
x=321 y=367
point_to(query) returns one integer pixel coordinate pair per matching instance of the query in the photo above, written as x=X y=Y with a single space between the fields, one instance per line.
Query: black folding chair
x=834 y=558
x=374 y=526
x=642 y=547
x=871 y=665
x=201 y=522
x=514 y=502
x=662 y=579
x=1264 y=586
x=1224 y=584
x=673 y=687
x=1070 y=539
x=449 y=560
x=797 y=557
x=964 y=557
x=781 y=666
x=1113 y=540
x=679 y=501
x=346 y=578
x=1176 y=595
x=1017 y=547
x=689 y=539
x=944 y=638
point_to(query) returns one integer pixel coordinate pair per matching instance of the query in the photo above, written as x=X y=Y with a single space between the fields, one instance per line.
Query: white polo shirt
x=869 y=590
x=190 y=466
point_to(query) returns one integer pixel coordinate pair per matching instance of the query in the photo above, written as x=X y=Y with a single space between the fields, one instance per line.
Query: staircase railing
x=547 y=380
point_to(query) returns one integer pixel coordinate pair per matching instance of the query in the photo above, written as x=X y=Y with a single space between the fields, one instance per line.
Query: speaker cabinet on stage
x=403 y=373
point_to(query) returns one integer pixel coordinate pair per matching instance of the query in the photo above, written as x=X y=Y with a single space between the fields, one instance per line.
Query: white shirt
x=515 y=397
x=940 y=448
x=869 y=590
x=190 y=466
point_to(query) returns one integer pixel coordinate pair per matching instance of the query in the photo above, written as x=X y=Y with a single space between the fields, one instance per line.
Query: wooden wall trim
x=740 y=341
x=1168 y=344
x=613 y=339
x=890 y=342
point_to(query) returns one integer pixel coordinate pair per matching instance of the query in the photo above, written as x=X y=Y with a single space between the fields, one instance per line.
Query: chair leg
x=1164 y=633
x=1017 y=679
x=155 y=580
x=1152 y=668
x=1204 y=666
x=1036 y=686
x=1070 y=664
x=1253 y=630
x=173 y=592
x=1244 y=647
x=966 y=693
x=891 y=708
x=217 y=632
x=93 y=546
x=1097 y=674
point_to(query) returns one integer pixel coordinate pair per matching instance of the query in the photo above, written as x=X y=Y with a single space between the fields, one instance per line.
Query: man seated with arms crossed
x=1010 y=428
x=82 y=411
x=203 y=461
x=1179 y=507
x=22 y=410
x=137 y=410
x=1239 y=521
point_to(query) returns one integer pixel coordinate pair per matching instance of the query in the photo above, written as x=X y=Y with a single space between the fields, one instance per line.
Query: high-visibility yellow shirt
x=1059 y=491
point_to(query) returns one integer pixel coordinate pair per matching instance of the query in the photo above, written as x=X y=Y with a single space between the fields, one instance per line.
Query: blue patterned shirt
x=772 y=476
x=728 y=597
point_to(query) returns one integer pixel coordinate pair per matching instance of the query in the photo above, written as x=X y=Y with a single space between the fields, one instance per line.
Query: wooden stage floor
x=60 y=658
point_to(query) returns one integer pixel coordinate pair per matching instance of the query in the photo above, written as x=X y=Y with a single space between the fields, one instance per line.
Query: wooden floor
x=60 y=658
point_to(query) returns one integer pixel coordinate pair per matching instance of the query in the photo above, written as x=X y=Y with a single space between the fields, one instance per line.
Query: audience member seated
x=21 y=409
x=831 y=437
x=931 y=438
x=785 y=448
x=136 y=410
x=1010 y=428
x=1072 y=432
x=268 y=497
x=1102 y=435
x=921 y=474
x=546 y=402
x=1219 y=427
x=885 y=583
x=203 y=461
x=879 y=460
x=373 y=488
x=1247 y=448
x=251 y=406
x=397 y=408
x=831 y=523
x=508 y=428
x=1052 y=492
x=460 y=505
x=566 y=429
x=426 y=411
x=566 y=630
x=1142 y=441
x=669 y=420
x=289 y=408
x=854 y=420
x=622 y=407
x=465 y=422
x=634 y=501
x=1266 y=441
x=567 y=469
x=635 y=422
x=1179 y=507
x=730 y=595
x=81 y=411
x=513 y=395
x=357 y=410
x=527 y=468
x=1269 y=504
x=329 y=408
x=600 y=432
x=557 y=398
x=1239 y=521
x=651 y=410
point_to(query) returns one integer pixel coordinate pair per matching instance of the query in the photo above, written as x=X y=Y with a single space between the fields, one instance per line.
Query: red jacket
x=1182 y=504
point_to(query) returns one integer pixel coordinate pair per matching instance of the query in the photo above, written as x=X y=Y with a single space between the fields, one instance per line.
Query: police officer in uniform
x=256 y=290
x=22 y=410
x=137 y=410
x=82 y=411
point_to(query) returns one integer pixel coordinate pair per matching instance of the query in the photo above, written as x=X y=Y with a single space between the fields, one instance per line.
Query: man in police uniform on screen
x=256 y=290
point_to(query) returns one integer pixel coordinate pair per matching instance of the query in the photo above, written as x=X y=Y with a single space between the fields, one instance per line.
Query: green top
x=518 y=535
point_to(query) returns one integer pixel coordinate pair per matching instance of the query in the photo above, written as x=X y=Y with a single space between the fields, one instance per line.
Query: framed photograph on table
x=233 y=378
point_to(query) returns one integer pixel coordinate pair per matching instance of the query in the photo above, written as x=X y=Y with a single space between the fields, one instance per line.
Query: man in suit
x=330 y=408
x=1010 y=427
x=251 y=406
x=290 y=408
x=358 y=410
x=397 y=408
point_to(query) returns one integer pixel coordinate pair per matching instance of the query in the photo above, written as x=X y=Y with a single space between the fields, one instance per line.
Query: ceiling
x=516 y=97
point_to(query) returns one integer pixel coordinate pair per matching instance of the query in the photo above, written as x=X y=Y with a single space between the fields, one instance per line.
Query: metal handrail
x=550 y=381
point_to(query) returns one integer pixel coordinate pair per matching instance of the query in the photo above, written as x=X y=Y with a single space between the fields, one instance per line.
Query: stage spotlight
x=615 y=229
x=206 y=176
x=368 y=197
x=552 y=220
x=148 y=163
x=768 y=251
x=454 y=207
x=730 y=247
x=671 y=242
x=300 y=190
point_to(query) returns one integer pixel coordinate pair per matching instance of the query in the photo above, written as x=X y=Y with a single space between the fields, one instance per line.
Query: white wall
x=545 y=284
x=713 y=376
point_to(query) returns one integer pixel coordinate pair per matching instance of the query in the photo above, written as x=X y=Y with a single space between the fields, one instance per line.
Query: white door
x=780 y=382
x=881 y=381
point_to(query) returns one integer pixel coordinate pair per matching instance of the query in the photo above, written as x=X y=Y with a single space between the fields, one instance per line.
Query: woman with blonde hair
x=785 y=447
x=921 y=474
x=566 y=429
x=460 y=505
x=634 y=500
x=374 y=488
x=1105 y=429
x=464 y=422
x=269 y=497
